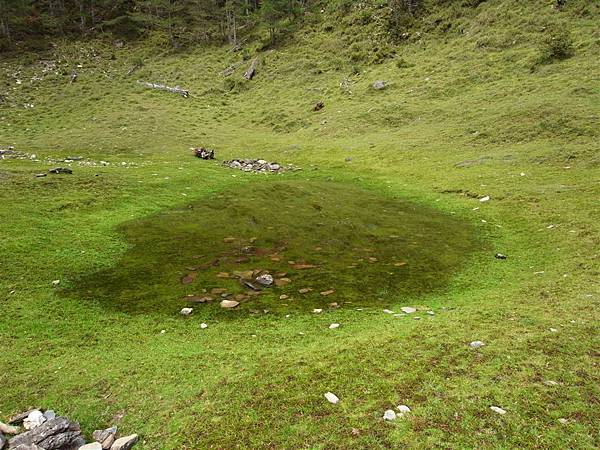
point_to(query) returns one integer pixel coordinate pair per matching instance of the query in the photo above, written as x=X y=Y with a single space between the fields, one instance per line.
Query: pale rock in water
x=331 y=397
x=389 y=415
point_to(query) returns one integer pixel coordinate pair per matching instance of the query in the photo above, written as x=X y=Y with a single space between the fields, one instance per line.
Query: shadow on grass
x=365 y=247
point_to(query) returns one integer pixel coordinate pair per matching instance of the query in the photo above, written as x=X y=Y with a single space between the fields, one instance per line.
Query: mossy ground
x=257 y=381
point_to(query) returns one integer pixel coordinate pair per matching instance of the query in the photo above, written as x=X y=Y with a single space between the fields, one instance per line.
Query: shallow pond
x=323 y=242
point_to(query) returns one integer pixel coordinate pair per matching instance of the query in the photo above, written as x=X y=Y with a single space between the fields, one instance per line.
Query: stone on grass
x=229 y=304
x=49 y=414
x=265 y=280
x=125 y=443
x=105 y=437
x=403 y=409
x=55 y=282
x=92 y=446
x=186 y=311
x=34 y=419
x=317 y=310
x=550 y=383
x=379 y=85
x=333 y=326
x=331 y=397
x=389 y=415
x=485 y=199
x=408 y=309
x=498 y=410
x=476 y=344
x=563 y=421
x=19 y=418
x=388 y=311
x=57 y=433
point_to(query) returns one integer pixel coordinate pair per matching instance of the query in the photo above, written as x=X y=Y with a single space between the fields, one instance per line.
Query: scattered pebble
x=500 y=256
x=408 y=309
x=265 y=280
x=563 y=421
x=387 y=311
x=485 y=199
x=229 y=304
x=203 y=326
x=163 y=331
x=55 y=282
x=333 y=326
x=431 y=313
x=389 y=415
x=498 y=410
x=550 y=383
x=317 y=310
x=476 y=344
x=331 y=397
x=186 y=311
x=553 y=330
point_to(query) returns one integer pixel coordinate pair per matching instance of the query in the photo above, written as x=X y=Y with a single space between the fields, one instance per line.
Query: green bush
x=556 y=45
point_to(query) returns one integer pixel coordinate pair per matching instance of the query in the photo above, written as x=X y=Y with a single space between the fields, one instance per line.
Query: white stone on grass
x=333 y=326
x=203 y=326
x=125 y=443
x=476 y=344
x=403 y=409
x=317 y=310
x=498 y=410
x=388 y=311
x=186 y=311
x=408 y=309
x=485 y=199
x=389 y=415
x=331 y=397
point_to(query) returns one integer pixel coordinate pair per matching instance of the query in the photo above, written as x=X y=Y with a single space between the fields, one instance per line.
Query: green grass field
x=386 y=206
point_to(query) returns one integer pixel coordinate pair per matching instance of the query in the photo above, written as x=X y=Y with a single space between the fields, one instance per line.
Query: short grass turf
x=466 y=119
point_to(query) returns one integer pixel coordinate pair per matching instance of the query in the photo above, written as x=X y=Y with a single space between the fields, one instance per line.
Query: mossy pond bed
x=326 y=244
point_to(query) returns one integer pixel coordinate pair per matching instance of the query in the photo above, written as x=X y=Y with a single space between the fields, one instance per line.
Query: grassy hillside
x=471 y=109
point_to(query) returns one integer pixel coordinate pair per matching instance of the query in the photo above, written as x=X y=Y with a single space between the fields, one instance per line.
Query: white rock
x=50 y=414
x=476 y=344
x=403 y=409
x=125 y=443
x=91 y=446
x=186 y=311
x=554 y=330
x=163 y=331
x=229 y=304
x=203 y=326
x=563 y=421
x=408 y=309
x=317 y=310
x=550 y=383
x=34 y=419
x=388 y=311
x=55 y=282
x=498 y=410
x=265 y=280
x=333 y=326
x=331 y=397
x=431 y=313
x=485 y=199
x=389 y=415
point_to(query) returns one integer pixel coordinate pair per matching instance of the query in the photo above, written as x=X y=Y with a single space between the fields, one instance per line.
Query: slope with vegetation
x=493 y=98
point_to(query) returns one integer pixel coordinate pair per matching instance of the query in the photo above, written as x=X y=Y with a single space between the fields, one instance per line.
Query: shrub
x=556 y=45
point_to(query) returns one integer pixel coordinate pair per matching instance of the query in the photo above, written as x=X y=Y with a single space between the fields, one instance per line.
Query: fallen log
x=162 y=87
x=251 y=70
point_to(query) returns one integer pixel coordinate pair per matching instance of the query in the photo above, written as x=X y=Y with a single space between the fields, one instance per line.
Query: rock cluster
x=204 y=153
x=256 y=165
x=46 y=431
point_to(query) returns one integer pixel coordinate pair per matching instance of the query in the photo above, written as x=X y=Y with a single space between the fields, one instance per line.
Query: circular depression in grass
x=323 y=242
